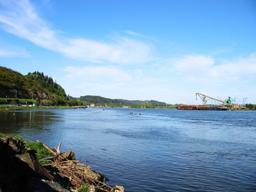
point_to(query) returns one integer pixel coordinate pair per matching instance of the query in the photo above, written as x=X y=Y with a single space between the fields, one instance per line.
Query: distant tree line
x=250 y=106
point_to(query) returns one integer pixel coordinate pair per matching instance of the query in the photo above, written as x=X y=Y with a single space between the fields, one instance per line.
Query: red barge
x=202 y=107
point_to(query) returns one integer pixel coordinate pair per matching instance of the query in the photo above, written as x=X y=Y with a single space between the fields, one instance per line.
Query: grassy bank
x=37 y=146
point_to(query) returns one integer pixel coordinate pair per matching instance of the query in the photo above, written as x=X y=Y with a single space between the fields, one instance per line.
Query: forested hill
x=97 y=100
x=34 y=85
x=47 y=83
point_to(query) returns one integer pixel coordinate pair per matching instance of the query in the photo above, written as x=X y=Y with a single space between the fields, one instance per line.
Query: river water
x=152 y=150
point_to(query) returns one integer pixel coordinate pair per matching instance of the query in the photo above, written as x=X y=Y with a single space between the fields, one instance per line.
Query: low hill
x=31 y=86
x=98 y=100
x=39 y=87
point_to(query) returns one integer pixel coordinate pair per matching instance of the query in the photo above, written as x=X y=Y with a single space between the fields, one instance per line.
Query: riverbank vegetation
x=250 y=106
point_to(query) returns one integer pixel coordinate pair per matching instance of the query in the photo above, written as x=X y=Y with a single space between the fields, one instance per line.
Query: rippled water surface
x=152 y=150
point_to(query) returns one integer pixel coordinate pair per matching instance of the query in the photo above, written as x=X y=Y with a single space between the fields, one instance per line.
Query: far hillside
x=103 y=101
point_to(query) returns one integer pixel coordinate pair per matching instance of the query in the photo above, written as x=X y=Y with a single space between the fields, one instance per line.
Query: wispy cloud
x=20 y=18
x=13 y=53
x=100 y=74
x=82 y=80
x=114 y=82
x=133 y=33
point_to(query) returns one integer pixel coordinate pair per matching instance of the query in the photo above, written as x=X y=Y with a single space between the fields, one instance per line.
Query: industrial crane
x=206 y=98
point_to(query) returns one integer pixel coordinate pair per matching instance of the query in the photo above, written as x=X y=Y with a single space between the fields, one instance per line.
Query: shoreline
x=34 y=166
x=27 y=108
x=18 y=108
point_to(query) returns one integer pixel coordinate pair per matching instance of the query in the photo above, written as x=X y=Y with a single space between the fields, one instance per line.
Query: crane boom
x=205 y=98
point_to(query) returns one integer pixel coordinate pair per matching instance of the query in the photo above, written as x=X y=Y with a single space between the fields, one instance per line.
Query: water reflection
x=12 y=122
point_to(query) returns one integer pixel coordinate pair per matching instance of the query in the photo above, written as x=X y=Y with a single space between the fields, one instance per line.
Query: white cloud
x=236 y=68
x=194 y=63
x=97 y=80
x=113 y=82
x=197 y=73
x=204 y=67
x=97 y=74
x=21 y=19
x=13 y=53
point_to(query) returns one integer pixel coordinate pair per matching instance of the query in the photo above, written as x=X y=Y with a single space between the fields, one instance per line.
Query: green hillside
x=101 y=101
x=47 y=84
x=32 y=86
x=40 y=89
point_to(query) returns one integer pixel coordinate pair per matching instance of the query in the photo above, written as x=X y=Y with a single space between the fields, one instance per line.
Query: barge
x=203 y=107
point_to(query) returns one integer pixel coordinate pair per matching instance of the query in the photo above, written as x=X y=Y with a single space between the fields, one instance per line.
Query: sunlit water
x=152 y=150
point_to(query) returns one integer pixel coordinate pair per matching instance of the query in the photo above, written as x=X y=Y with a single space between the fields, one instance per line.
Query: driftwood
x=54 y=151
x=50 y=149
x=78 y=173
x=58 y=148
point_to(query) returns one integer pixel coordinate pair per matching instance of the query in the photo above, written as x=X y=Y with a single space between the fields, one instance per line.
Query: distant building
x=92 y=105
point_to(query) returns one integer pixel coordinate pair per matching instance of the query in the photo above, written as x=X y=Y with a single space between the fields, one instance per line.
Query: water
x=152 y=150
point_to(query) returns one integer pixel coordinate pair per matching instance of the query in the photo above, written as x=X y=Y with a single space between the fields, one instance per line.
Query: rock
x=39 y=185
x=16 y=145
x=31 y=161
x=55 y=186
x=28 y=159
x=17 y=170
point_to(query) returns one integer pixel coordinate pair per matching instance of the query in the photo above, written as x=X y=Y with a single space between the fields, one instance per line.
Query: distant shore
x=16 y=107
x=5 y=108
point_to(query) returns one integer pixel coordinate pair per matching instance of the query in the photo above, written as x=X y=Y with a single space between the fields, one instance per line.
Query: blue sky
x=159 y=49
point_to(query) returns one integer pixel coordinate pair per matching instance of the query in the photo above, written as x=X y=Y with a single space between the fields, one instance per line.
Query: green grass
x=84 y=188
x=15 y=136
x=41 y=151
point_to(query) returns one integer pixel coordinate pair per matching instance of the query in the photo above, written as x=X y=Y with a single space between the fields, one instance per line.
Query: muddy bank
x=33 y=166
